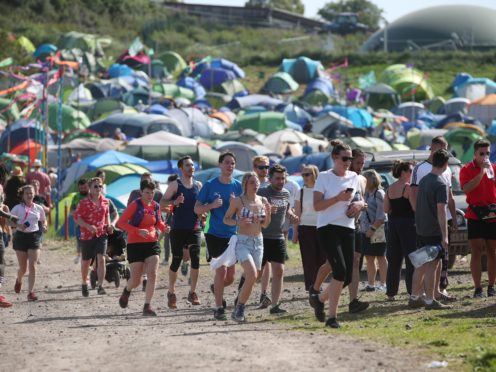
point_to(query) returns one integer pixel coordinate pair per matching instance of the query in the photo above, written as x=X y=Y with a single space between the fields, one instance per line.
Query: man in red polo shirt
x=41 y=177
x=478 y=182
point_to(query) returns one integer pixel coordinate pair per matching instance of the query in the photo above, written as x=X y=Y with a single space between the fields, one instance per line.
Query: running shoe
x=84 y=290
x=171 y=300
x=318 y=309
x=356 y=306
x=332 y=323
x=124 y=299
x=220 y=314
x=276 y=309
x=436 y=305
x=193 y=298
x=369 y=288
x=184 y=268
x=416 y=304
x=238 y=313
x=148 y=311
x=312 y=295
x=32 y=296
x=490 y=291
x=477 y=293
x=101 y=291
x=224 y=303
x=4 y=302
x=265 y=301
x=17 y=286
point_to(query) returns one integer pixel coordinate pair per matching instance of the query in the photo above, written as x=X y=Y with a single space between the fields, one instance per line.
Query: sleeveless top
x=184 y=217
x=249 y=213
x=401 y=207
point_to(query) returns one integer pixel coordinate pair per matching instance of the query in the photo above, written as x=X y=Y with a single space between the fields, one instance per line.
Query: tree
x=368 y=13
x=294 y=6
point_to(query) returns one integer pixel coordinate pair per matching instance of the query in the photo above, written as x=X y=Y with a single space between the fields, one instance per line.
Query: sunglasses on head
x=262 y=167
x=306 y=174
x=484 y=153
x=347 y=158
x=98 y=187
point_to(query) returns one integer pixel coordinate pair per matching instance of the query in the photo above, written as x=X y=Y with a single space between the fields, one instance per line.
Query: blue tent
x=322 y=84
x=44 y=50
x=212 y=77
x=20 y=131
x=118 y=70
x=219 y=63
x=488 y=85
x=156 y=109
x=456 y=118
x=359 y=117
x=460 y=79
x=303 y=69
x=194 y=85
x=295 y=114
x=254 y=100
x=322 y=160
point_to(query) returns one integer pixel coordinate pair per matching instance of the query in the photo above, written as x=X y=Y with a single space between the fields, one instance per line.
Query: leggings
x=401 y=240
x=338 y=243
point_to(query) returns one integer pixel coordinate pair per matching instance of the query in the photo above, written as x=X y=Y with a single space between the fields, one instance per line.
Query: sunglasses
x=306 y=174
x=262 y=167
x=484 y=153
x=98 y=187
x=347 y=158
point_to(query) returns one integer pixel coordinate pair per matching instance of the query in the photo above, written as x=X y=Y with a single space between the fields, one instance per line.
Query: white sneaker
x=382 y=288
x=77 y=259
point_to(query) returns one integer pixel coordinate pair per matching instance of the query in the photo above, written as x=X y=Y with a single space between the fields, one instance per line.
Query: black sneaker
x=356 y=306
x=101 y=291
x=224 y=303
x=84 y=290
x=276 y=309
x=148 y=311
x=265 y=301
x=312 y=296
x=478 y=293
x=238 y=313
x=318 y=309
x=490 y=291
x=220 y=314
x=332 y=323
x=124 y=299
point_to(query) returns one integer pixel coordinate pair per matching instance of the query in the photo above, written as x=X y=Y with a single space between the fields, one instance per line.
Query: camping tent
x=245 y=153
x=174 y=91
x=369 y=144
x=280 y=83
x=484 y=109
x=475 y=88
x=262 y=122
x=194 y=85
x=268 y=102
x=277 y=141
x=381 y=96
x=409 y=82
x=359 y=117
x=21 y=131
x=462 y=141
x=173 y=62
x=303 y=69
x=71 y=118
x=322 y=160
x=231 y=87
x=454 y=106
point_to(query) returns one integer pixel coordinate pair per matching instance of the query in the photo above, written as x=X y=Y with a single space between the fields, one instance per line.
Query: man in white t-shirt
x=420 y=171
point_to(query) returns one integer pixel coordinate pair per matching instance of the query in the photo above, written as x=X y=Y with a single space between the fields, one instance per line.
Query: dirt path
x=64 y=331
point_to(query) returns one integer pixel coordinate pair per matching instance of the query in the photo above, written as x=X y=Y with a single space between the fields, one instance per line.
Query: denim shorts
x=250 y=247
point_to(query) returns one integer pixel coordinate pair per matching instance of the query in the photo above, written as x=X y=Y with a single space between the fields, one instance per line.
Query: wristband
x=372 y=228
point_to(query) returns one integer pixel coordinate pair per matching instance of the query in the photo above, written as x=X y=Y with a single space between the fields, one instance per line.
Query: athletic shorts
x=215 y=245
x=478 y=229
x=139 y=252
x=24 y=241
x=250 y=247
x=274 y=251
x=91 y=248
x=181 y=239
x=358 y=241
x=430 y=240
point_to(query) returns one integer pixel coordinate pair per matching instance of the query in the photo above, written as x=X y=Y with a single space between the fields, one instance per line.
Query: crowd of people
x=339 y=218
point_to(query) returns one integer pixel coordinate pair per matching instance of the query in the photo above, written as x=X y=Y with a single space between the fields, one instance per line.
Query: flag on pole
x=367 y=80
x=135 y=47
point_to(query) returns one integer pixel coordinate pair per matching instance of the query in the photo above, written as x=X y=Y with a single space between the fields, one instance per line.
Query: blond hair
x=259 y=158
x=374 y=179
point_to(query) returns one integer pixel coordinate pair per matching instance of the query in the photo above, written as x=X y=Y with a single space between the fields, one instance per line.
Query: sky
x=393 y=9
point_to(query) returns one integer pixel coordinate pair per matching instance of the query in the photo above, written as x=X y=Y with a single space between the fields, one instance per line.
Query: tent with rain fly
x=359 y=117
x=303 y=69
x=44 y=50
x=454 y=106
x=134 y=61
x=280 y=83
x=220 y=64
x=277 y=141
x=194 y=85
x=167 y=146
x=91 y=43
x=321 y=160
x=475 y=88
x=174 y=91
x=156 y=69
x=231 y=87
x=369 y=144
x=295 y=114
x=173 y=62
x=381 y=96
x=332 y=125
x=462 y=140
x=21 y=131
x=212 y=77
x=319 y=91
x=416 y=138
x=410 y=110
x=484 y=109
x=245 y=153
x=139 y=95
x=105 y=107
x=268 y=102
x=71 y=118
x=117 y=70
x=135 y=125
x=410 y=83
x=262 y=122
x=29 y=148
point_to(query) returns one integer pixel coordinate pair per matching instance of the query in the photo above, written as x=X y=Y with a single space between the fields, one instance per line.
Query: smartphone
x=349 y=189
x=27 y=224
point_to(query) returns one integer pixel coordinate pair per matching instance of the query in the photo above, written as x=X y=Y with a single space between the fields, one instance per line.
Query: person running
x=252 y=213
x=30 y=218
x=334 y=192
x=140 y=220
x=479 y=185
x=83 y=190
x=185 y=230
x=92 y=214
x=273 y=235
x=4 y=217
x=432 y=229
x=215 y=197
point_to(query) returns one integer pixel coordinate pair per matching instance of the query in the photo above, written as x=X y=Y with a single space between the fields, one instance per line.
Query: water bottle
x=425 y=254
x=489 y=171
x=261 y=215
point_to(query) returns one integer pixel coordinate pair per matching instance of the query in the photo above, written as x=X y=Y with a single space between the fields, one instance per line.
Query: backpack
x=140 y=212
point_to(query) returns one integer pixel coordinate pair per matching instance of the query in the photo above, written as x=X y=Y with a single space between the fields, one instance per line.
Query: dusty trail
x=64 y=331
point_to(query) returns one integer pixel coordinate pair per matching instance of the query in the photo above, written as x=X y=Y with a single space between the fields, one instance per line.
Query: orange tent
x=29 y=147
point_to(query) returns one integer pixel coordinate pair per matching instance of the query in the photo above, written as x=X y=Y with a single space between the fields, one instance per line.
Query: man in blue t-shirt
x=215 y=197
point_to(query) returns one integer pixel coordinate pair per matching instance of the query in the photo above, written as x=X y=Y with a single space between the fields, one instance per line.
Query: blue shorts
x=250 y=247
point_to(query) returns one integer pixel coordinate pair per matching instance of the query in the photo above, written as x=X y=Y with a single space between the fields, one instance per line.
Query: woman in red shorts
x=141 y=220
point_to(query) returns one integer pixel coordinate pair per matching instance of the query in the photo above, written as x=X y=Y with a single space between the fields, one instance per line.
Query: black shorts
x=369 y=249
x=478 y=229
x=90 y=248
x=181 y=239
x=430 y=240
x=274 y=251
x=358 y=241
x=139 y=252
x=215 y=245
x=24 y=241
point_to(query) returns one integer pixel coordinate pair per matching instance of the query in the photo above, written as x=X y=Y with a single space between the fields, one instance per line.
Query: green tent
x=230 y=87
x=262 y=122
x=217 y=100
x=112 y=172
x=71 y=118
x=26 y=44
x=280 y=83
x=158 y=69
x=173 y=62
x=67 y=200
x=316 y=98
x=12 y=114
x=93 y=44
x=409 y=82
x=461 y=140
x=174 y=91
x=368 y=144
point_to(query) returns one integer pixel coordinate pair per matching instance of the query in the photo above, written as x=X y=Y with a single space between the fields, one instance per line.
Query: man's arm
x=443 y=223
x=169 y=194
x=452 y=209
x=474 y=182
